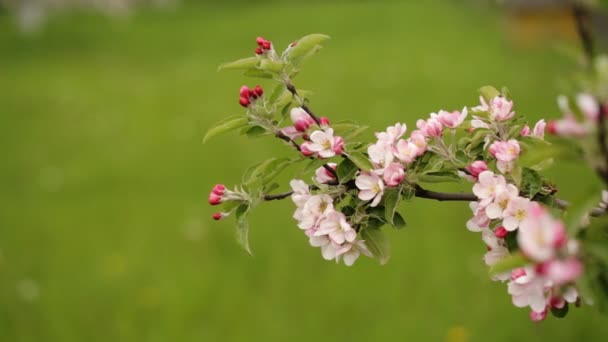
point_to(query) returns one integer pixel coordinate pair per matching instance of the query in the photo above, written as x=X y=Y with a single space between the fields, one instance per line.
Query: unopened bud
x=501 y=232
x=244 y=101
x=218 y=189
x=552 y=127
x=218 y=216
x=214 y=199
x=245 y=91
x=323 y=122
x=258 y=90
x=259 y=51
x=266 y=45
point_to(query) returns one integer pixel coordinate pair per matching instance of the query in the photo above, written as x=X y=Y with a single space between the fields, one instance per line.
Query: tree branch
x=294 y=92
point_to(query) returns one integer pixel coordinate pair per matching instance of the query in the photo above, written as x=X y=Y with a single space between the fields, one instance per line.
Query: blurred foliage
x=105 y=231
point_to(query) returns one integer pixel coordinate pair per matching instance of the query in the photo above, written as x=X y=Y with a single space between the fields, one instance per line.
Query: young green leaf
x=271 y=66
x=531 y=182
x=488 y=92
x=509 y=263
x=245 y=63
x=228 y=124
x=360 y=160
x=398 y=221
x=242 y=230
x=391 y=201
x=346 y=170
x=305 y=46
x=258 y=73
x=256 y=131
x=377 y=244
x=439 y=177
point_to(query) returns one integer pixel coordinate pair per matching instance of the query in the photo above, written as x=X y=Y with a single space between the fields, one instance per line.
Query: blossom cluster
x=320 y=143
x=325 y=226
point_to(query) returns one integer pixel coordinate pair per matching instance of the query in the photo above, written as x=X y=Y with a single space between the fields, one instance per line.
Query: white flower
x=323 y=143
x=313 y=210
x=540 y=234
x=487 y=187
x=517 y=211
x=336 y=226
x=350 y=251
x=406 y=151
x=480 y=220
x=381 y=153
x=371 y=187
x=527 y=289
x=392 y=133
x=503 y=197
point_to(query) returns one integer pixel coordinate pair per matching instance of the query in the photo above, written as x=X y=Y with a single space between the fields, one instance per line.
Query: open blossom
x=479 y=220
x=515 y=213
x=325 y=144
x=488 y=186
x=528 y=289
x=381 y=153
x=431 y=127
x=393 y=174
x=313 y=210
x=301 y=193
x=499 y=108
x=328 y=247
x=371 y=187
x=301 y=120
x=505 y=151
x=418 y=139
x=392 y=133
x=406 y=151
x=452 y=119
x=503 y=197
x=540 y=234
x=322 y=175
x=336 y=226
x=350 y=251
x=563 y=271
x=589 y=106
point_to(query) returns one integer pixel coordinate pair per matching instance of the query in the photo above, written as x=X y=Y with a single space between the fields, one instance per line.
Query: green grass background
x=105 y=230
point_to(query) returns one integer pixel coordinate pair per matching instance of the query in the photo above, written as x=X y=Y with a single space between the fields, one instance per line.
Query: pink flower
x=500 y=109
x=350 y=251
x=538 y=316
x=406 y=151
x=292 y=132
x=301 y=193
x=325 y=144
x=452 y=119
x=392 y=133
x=430 y=128
x=539 y=129
x=394 y=174
x=515 y=213
x=527 y=289
x=313 y=210
x=525 y=131
x=336 y=226
x=589 y=106
x=568 y=126
x=476 y=168
x=505 y=167
x=505 y=151
x=322 y=175
x=479 y=220
x=418 y=139
x=563 y=271
x=301 y=120
x=370 y=186
x=540 y=234
x=328 y=247
x=502 y=198
x=488 y=186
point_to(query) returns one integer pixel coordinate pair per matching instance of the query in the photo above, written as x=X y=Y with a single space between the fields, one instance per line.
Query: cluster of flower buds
x=263 y=46
x=570 y=125
x=248 y=95
x=325 y=226
x=219 y=194
x=321 y=143
x=547 y=282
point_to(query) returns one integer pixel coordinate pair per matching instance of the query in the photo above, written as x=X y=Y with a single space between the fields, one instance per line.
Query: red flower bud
x=217 y=216
x=552 y=127
x=266 y=45
x=214 y=199
x=324 y=122
x=259 y=51
x=305 y=151
x=245 y=91
x=244 y=102
x=258 y=90
x=218 y=189
x=260 y=41
x=501 y=232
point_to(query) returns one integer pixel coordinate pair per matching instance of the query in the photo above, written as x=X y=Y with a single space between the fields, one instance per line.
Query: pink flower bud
x=552 y=127
x=560 y=236
x=324 y=122
x=218 y=216
x=430 y=128
x=258 y=90
x=245 y=91
x=541 y=268
x=260 y=41
x=501 y=232
x=505 y=151
x=525 y=131
x=266 y=45
x=258 y=51
x=214 y=199
x=476 y=168
x=305 y=150
x=244 y=101
x=301 y=125
x=394 y=174
x=218 y=189
x=557 y=302
x=517 y=273
x=563 y=271
x=538 y=316
x=338 y=146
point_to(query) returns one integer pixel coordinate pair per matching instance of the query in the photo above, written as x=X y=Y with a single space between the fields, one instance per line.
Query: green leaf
x=509 y=263
x=531 y=182
x=256 y=131
x=439 y=177
x=488 y=92
x=228 y=124
x=271 y=66
x=398 y=221
x=391 y=202
x=258 y=172
x=242 y=230
x=305 y=45
x=257 y=73
x=346 y=170
x=355 y=132
x=245 y=63
x=580 y=208
x=377 y=244
x=361 y=161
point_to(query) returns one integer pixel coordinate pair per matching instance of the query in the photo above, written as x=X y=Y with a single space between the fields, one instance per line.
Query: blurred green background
x=105 y=230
